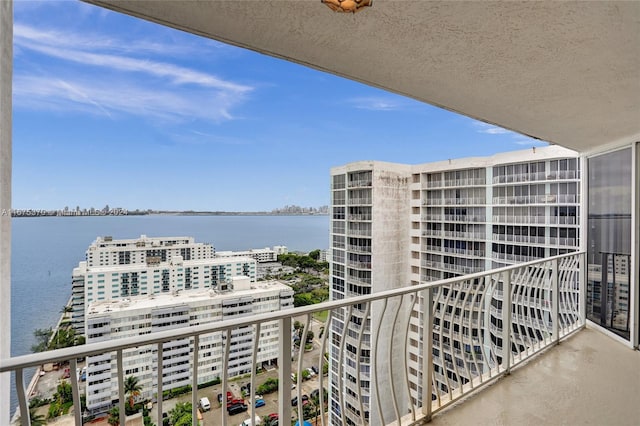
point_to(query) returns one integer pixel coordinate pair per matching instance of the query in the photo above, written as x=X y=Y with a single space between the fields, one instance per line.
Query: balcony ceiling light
x=347 y=6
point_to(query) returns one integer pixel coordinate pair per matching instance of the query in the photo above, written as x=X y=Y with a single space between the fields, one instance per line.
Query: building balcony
x=603 y=395
x=562 y=380
x=510 y=220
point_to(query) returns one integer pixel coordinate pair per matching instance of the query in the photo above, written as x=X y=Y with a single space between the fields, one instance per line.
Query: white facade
x=105 y=251
x=369 y=237
x=116 y=269
x=146 y=314
x=442 y=220
x=324 y=256
x=266 y=254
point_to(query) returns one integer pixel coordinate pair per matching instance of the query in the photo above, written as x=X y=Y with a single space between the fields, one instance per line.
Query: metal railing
x=546 y=300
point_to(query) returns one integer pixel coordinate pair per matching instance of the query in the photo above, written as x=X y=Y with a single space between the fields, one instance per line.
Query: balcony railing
x=550 y=291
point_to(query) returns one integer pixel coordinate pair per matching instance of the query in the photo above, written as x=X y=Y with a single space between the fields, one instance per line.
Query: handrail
x=32 y=360
x=472 y=286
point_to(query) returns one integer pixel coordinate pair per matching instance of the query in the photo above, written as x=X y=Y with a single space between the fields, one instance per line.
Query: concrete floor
x=589 y=379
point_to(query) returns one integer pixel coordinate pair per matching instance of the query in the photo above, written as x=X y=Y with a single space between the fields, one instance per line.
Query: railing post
x=77 y=408
x=506 y=321
x=427 y=352
x=555 y=300
x=25 y=418
x=6 y=71
x=194 y=378
x=121 y=405
x=284 y=370
x=582 y=288
x=159 y=382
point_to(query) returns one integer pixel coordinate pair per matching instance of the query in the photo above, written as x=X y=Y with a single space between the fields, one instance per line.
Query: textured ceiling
x=564 y=72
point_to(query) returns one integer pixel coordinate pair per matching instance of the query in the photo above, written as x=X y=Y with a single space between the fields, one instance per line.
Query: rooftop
x=163 y=300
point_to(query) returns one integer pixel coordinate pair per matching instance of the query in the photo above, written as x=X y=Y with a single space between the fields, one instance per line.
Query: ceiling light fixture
x=347 y=6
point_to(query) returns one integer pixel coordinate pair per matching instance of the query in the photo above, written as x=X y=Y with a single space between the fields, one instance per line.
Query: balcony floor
x=587 y=379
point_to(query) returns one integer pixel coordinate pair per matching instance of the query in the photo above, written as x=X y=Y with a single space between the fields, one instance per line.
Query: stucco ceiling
x=564 y=72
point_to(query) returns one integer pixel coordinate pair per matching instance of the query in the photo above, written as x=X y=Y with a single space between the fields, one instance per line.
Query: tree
x=269 y=421
x=302 y=299
x=42 y=336
x=306 y=375
x=64 y=393
x=65 y=337
x=314 y=254
x=132 y=388
x=36 y=419
x=114 y=417
x=180 y=415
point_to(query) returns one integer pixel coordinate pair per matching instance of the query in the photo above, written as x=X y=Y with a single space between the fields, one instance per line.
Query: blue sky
x=113 y=110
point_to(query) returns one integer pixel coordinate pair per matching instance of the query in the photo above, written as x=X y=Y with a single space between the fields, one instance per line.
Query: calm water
x=45 y=251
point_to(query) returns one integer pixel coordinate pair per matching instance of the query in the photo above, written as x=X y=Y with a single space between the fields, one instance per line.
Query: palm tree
x=132 y=388
x=37 y=419
x=114 y=417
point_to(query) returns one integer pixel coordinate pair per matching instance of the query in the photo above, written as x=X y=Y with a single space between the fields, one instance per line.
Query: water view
x=46 y=249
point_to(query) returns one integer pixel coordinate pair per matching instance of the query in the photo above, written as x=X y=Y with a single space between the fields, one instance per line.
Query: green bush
x=64 y=409
x=269 y=386
x=36 y=402
x=213 y=382
x=170 y=393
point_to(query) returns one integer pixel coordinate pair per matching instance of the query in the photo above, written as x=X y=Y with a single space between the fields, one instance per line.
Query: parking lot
x=214 y=416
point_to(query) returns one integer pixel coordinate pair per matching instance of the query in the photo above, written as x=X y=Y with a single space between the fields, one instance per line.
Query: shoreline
x=30 y=391
x=161 y=213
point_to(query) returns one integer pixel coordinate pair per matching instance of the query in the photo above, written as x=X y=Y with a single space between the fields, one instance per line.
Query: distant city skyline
x=120 y=211
x=112 y=109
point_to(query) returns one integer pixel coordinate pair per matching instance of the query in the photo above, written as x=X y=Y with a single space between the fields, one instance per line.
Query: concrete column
x=6 y=71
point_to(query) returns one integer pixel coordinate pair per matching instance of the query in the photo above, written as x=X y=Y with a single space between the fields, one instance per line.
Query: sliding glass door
x=609 y=233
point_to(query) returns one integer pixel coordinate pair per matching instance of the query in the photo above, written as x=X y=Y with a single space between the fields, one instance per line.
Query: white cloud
x=376 y=103
x=495 y=131
x=490 y=129
x=518 y=139
x=106 y=83
x=90 y=41
x=113 y=98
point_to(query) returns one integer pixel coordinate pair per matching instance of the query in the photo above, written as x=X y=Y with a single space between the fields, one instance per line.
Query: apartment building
x=139 y=315
x=369 y=238
x=441 y=220
x=116 y=269
x=263 y=255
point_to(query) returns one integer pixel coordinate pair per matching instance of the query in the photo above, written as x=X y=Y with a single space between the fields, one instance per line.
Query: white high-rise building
x=399 y=225
x=116 y=269
x=140 y=315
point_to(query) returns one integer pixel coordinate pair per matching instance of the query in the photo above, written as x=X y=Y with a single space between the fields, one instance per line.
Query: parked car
x=205 y=405
x=315 y=369
x=234 y=401
x=236 y=409
x=294 y=401
x=260 y=403
x=257 y=420
x=229 y=397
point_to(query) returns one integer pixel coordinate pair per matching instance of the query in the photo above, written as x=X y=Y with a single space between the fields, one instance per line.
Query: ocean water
x=46 y=249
